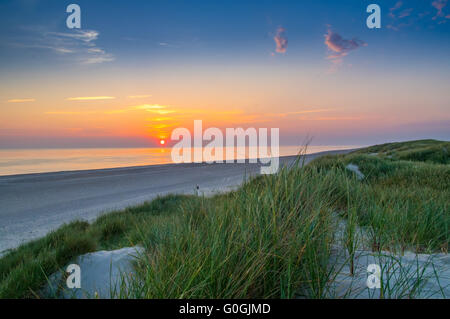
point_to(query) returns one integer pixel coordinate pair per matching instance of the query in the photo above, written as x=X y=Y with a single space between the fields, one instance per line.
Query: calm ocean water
x=24 y=161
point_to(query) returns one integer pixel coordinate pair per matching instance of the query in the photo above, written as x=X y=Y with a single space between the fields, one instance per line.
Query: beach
x=34 y=204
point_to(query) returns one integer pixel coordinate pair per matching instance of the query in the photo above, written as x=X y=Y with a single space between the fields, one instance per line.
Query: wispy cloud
x=160 y=109
x=183 y=114
x=337 y=118
x=297 y=112
x=162 y=112
x=439 y=5
x=69 y=112
x=155 y=108
x=404 y=17
x=79 y=45
x=401 y=17
x=169 y=45
x=21 y=100
x=86 y=36
x=392 y=11
x=149 y=107
x=90 y=98
x=405 y=13
x=340 y=47
x=281 y=40
x=160 y=119
x=96 y=60
x=139 y=96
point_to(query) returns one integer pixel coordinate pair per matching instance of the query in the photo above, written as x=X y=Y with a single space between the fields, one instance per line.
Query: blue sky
x=228 y=30
x=168 y=48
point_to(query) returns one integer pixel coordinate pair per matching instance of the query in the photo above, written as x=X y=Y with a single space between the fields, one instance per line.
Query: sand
x=407 y=275
x=34 y=204
x=103 y=274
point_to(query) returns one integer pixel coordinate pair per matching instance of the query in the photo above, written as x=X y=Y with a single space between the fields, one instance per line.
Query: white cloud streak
x=78 y=45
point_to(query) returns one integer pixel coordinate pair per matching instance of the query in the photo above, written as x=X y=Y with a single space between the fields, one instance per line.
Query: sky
x=136 y=70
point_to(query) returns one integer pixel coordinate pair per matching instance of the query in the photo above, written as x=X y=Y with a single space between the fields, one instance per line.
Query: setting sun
x=162 y=142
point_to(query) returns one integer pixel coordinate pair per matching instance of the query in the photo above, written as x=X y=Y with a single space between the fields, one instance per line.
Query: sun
x=162 y=142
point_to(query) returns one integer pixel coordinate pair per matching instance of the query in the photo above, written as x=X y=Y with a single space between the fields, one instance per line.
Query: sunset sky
x=138 y=69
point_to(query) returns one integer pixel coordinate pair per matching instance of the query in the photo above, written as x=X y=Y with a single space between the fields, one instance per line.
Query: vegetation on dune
x=272 y=238
x=431 y=151
x=403 y=204
x=24 y=270
x=266 y=240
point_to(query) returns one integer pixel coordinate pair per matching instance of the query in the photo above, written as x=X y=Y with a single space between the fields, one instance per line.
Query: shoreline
x=37 y=161
x=35 y=204
x=32 y=161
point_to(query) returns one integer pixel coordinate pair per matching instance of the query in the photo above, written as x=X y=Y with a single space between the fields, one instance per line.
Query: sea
x=28 y=161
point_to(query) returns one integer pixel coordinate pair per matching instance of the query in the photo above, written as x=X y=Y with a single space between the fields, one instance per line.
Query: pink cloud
x=281 y=40
x=405 y=13
x=439 y=5
x=339 y=46
x=394 y=8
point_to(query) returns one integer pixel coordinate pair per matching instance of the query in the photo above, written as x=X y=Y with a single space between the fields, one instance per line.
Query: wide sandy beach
x=34 y=204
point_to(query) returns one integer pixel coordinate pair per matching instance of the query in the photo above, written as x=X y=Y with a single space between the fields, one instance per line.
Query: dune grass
x=272 y=238
x=403 y=203
x=25 y=270
x=430 y=151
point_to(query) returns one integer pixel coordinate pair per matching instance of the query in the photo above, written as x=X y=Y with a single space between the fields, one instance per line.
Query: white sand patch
x=409 y=275
x=103 y=275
